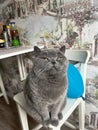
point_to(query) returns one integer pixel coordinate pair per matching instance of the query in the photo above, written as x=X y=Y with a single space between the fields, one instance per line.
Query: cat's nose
x=53 y=61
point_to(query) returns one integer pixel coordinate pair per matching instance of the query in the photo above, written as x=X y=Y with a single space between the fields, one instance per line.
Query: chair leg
x=81 y=115
x=49 y=128
x=23 y=118
x=37 y=127
x=54 y=128
x=70 y=125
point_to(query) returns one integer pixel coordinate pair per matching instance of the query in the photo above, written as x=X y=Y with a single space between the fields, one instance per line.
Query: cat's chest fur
x=49 y=86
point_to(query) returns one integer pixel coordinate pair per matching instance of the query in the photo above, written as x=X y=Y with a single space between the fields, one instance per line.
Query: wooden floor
x=9 y=119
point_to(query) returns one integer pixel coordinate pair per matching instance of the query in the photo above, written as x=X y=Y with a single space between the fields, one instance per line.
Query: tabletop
x=5 y=53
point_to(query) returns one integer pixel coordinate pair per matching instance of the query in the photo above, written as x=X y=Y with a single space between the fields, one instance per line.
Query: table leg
x=3 y=90
x=21 y=67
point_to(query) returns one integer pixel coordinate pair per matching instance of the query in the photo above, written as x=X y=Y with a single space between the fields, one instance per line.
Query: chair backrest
x=80 y=57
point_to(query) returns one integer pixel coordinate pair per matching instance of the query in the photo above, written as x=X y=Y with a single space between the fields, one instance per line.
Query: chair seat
x=70 y=106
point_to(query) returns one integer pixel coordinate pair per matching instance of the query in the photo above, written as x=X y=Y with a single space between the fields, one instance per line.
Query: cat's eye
x=45 y=58
x=59 y=58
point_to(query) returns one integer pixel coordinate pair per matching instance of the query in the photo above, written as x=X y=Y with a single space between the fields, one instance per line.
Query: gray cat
x=46 y=85
x=10 y=76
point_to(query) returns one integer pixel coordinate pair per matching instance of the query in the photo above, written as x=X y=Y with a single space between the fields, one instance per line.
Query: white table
x=18 y=52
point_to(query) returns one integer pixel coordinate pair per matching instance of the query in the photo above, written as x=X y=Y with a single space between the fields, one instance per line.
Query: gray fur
x=46 y=85
x=10 y=76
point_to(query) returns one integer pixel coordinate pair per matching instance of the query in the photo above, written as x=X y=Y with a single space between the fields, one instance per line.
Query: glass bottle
x=5 y=36
x=14 y=35
x=9 y=35
x=2 y=44
x=15 y=42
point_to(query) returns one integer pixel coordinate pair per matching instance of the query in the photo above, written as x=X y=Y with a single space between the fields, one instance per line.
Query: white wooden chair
x=80 y=56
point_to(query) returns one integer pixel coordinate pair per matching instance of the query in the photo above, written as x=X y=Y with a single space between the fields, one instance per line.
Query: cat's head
x=52 y=61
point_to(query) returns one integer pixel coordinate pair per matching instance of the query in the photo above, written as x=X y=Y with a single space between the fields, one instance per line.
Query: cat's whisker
x=42 y=70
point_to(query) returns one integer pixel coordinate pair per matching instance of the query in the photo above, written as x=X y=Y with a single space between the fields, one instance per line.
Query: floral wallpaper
x=40 y=21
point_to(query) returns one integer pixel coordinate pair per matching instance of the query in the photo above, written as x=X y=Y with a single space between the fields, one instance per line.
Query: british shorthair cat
x=46 y=85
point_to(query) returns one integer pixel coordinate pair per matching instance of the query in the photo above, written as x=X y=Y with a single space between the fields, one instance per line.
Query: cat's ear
x=62 y=49
x=37 y=49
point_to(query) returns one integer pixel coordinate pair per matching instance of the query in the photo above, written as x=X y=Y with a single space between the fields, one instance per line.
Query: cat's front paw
x=46 y=123
x=60 y=116
x=54 y=122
